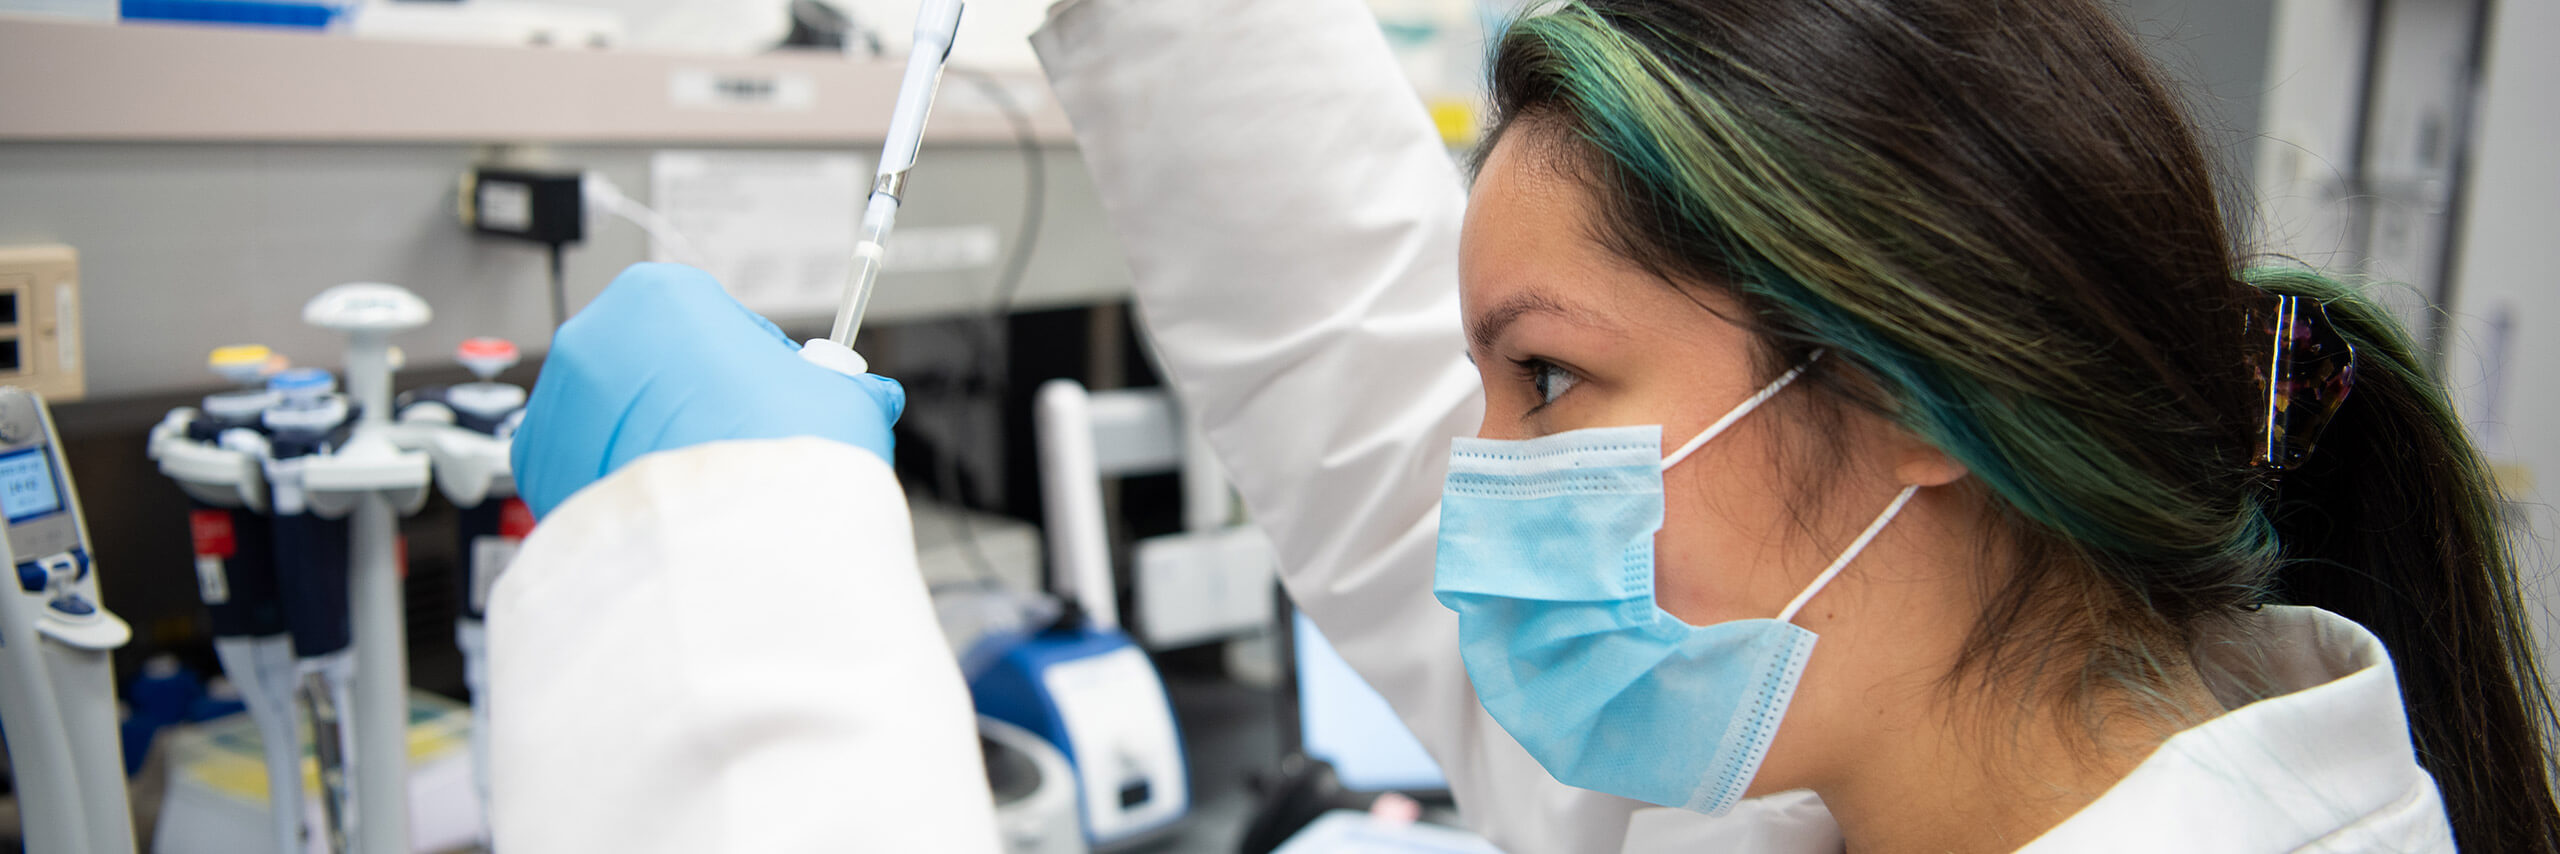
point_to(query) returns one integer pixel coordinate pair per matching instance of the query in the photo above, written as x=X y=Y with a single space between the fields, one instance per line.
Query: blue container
x=309 y=16
x=1015 y=690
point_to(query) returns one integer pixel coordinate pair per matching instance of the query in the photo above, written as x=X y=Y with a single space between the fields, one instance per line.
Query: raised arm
x=1292 y=218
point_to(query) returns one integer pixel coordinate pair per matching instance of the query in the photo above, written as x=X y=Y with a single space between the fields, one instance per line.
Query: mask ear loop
x=1766 y=392
x=1873 y=528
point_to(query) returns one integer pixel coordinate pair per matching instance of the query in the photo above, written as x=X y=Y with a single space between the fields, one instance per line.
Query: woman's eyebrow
x=1488 y=327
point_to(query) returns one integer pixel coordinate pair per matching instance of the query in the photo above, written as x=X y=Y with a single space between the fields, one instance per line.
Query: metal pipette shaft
x=937 y=22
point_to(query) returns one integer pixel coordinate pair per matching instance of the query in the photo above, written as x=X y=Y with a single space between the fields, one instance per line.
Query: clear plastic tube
x=877 y=220
x=937 y=23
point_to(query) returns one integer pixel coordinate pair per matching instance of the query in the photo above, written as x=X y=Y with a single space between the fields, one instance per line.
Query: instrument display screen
x=27 y=485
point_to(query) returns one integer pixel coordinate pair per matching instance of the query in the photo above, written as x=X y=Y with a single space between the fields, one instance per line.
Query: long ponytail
x=2394 y=523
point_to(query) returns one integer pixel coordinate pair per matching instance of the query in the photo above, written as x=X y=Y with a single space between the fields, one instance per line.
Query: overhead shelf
x=63 y=80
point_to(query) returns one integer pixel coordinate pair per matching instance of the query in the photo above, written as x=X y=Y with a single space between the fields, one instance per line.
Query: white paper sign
x=699 y=89
x=942 y=249
x=776 y=227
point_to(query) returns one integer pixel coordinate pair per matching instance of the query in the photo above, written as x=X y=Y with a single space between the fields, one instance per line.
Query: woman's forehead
x=1531 y=246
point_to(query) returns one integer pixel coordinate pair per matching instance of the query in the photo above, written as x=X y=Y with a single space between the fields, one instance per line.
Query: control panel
x=40 y=321
x=36 y=498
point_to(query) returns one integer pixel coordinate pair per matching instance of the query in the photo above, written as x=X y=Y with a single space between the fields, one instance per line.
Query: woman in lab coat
x=1992 y=223
x=1944 y=289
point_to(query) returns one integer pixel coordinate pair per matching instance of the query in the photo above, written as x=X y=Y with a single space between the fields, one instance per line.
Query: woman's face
x=1566 y=335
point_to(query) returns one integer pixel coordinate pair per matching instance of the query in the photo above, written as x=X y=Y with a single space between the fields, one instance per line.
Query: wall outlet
x=40 y=321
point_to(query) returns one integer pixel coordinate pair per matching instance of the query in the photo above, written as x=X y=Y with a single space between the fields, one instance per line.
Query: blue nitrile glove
x=665 y=359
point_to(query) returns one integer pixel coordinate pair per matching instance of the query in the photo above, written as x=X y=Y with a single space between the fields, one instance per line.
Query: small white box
x=1205 y=586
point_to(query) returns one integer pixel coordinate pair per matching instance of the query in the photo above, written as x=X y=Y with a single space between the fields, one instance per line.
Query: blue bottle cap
x=302 y=380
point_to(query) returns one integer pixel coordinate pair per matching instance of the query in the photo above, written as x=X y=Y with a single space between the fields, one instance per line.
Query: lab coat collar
x=2322 y=763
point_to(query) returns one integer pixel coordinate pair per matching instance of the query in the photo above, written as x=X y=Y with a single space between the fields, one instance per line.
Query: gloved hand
x=665 y=359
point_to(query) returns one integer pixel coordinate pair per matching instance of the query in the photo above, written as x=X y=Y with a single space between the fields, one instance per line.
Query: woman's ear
x=1918 y=463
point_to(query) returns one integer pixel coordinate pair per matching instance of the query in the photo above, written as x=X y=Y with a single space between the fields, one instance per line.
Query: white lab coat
x=726 y=648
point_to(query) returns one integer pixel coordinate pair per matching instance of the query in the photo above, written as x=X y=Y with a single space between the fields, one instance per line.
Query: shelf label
x=506 y=206
x=704 y=89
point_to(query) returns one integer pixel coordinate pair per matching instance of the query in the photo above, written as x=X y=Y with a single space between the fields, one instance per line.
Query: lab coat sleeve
x=1292 y=220
x=727 y=648
x=1291 y=217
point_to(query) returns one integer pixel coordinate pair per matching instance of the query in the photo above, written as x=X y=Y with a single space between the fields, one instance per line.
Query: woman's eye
x=1550 y=381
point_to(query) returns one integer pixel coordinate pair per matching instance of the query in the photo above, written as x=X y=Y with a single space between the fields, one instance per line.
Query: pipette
x=937 y=23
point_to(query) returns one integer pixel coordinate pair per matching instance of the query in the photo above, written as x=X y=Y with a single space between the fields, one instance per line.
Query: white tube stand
x=381 y=482
x=62 y=694
x=381 y=693
x=82 y=678
x=76 y=652
x=1071 y=500
x=39 y=751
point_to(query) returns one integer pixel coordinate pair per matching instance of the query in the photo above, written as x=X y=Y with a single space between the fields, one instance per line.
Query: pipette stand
x=375 y=481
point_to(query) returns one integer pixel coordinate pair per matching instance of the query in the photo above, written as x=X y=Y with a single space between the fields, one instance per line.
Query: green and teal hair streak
x=1999 y=219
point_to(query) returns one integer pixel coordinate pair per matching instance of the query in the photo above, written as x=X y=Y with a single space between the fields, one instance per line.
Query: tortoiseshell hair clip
x=2305 y=370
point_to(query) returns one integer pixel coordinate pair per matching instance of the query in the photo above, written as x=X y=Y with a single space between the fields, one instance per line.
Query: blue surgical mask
x=1546 y=553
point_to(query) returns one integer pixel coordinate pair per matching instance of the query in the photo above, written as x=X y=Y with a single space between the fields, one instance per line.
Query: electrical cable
x=990 y=327
x=559 y=288
x=1035 y=193
x=604 y=195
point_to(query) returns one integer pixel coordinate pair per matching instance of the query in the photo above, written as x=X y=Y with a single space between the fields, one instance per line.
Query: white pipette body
x=937 y=24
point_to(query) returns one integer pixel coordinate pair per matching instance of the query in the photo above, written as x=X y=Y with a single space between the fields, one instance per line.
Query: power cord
x=531 y=205
x=559 y=287
x=1035 y=191
x=603 y=195
x=989 y=329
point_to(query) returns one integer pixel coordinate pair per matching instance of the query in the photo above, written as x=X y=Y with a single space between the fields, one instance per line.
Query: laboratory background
x=227 y=226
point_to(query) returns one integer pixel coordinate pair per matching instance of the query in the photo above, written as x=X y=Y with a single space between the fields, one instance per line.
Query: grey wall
x=2505 y=380
x=2217 y=50
x=187 y=246
x=184 y=247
